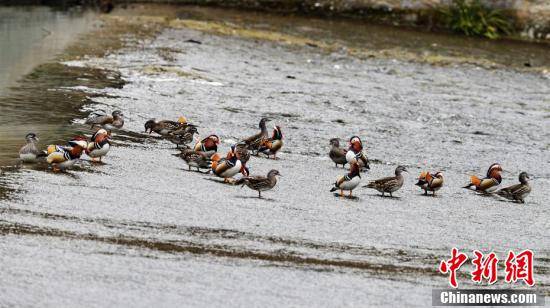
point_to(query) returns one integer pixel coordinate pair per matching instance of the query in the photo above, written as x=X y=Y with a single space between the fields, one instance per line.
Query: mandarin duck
x=517 y=192
x=337 y=154
x=389 y=184
x=208 y=145
x=356 y=151
x=195 y=159
x=229 y=166
x=243 y=153
x=64 y=157
x=348 y=181
x=490 y=182
x=183 y=135
x=99 y=145
x=116 y=119
x=260 y=183
x=164 y=127
x=272 y=145
x=29 y=153
x=430 y=182
x=253 y=142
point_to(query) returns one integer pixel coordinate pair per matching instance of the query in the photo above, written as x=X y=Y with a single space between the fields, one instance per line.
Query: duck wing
x=100 y=120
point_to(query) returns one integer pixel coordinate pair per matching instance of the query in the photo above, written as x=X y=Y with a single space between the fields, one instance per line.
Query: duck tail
x=333 y=189
x=42 y=154
x=474 y=181
x=370 y=185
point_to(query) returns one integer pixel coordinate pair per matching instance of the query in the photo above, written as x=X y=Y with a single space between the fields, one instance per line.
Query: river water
x=140 y=230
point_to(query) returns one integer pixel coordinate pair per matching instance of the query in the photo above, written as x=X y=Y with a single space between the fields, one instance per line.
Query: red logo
x=485 y=267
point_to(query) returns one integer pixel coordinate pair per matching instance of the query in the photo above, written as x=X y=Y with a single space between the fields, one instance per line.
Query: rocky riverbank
x=530 y=18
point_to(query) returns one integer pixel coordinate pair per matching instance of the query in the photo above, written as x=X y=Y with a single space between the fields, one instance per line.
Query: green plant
x=472 y=18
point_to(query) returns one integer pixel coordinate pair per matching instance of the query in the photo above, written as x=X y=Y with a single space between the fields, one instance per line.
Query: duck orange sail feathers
x=489 y=183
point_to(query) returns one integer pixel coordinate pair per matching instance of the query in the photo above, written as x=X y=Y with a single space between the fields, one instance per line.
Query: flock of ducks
x=204 y=155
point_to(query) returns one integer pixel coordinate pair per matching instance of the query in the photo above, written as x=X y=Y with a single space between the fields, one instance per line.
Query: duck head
x=277 y=133
x=439 y=175
x=149 y=125
x=31 y=137
x=335 y=142
x=494 y=168
x=100 y=132
x=273 y=173
x=355 y=144
x=523 y=177
x=117 y=114
x=263 y=121
x=400 y=169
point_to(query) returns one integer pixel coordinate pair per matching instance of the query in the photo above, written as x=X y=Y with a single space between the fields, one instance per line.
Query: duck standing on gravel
x=164 y=127
x=260 y=183
x=517 y=192
x=356 y=151
x=227 y=167
x=389 y=184
x=348 y=181
x=183 y=135
x=272 y=145
x=99 y=145
x=64 y=157
x=253 y=142
x=430 y=182
x=243 y=153
x=208 y=145
x=195 y=159
x=116 y=120
x=490 y=182
x=337 y=154
x=30 y=153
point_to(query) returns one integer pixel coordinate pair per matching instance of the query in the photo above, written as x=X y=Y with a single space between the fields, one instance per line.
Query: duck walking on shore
x=99 y=145
x=30 y=153
x=517 y=192
x=490 y=182
x=349 y=181
x=253 y=142
x=195 y=159
x=227 y=167
x=356 y=151
x=114 y=120
x=260 y=183
x=183 y=135
x=389 y=184
x=164 y=127
x=430 y=182
x=271 y=146
x=337 y=154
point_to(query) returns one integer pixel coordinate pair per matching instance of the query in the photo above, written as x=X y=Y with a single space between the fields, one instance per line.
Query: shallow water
x=140 y=229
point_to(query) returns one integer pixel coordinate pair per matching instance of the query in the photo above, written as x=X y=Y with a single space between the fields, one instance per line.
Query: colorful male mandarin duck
x=430 y=182
x=195 y=159
x=272 y=145
x=116 y=119
x=260 y=183
x=64 y=157
x=99 y=146
x=164 y=127
x=253 y=142
x=517 y=192
x=208 y=145
x=348 y=181
x=30 y=153
x=389 y=184
x=490 y=182
x=356 y=151
x=227 y=167
x=183 y=135
x=337 y=154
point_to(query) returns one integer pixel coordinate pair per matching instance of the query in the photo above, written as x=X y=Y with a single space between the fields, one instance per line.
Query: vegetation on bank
x=471 y=17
